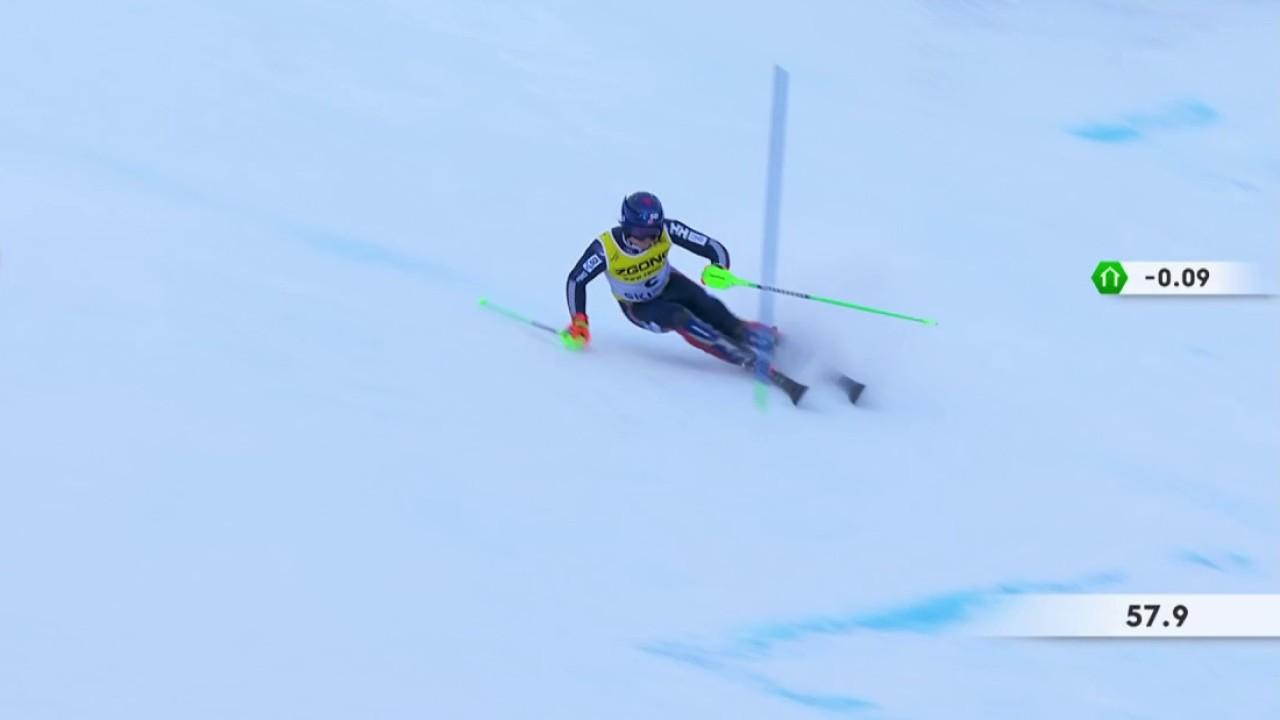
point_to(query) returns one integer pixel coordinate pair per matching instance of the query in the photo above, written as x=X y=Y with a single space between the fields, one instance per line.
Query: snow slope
x=262 y=456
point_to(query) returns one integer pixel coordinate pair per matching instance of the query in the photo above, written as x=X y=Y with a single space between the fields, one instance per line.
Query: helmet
x=641 y=210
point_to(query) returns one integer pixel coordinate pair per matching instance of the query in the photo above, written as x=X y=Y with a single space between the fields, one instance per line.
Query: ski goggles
x=644 y=233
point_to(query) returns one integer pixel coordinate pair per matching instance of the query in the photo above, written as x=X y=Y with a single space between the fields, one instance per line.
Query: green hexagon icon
x=1109 y=277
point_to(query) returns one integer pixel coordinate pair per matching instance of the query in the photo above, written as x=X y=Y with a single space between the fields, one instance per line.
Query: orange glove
x=578 y=334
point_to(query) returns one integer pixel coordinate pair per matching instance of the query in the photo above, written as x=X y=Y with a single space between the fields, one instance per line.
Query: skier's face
x=644 y=237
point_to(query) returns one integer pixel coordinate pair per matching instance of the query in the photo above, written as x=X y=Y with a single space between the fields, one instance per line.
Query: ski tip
x=855 y=393
x=797 y=394
x=794 y=390
x=851 y=387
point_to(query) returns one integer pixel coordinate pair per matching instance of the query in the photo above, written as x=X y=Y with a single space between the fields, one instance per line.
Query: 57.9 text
x=1146 y=615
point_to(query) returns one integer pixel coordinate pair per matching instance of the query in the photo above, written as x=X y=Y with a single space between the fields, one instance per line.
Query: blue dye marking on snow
x=931 y=615
x=1241 y=561
x=1181 y=116
x=833 y=703
x=1107 y=133
x=362 y=251
x=154 y=182
x=1186 y=115
x=322 y=240
x=1195 y=558
x=684 y=653
x=1226 y=562
x=704 y=659
x=928 y=616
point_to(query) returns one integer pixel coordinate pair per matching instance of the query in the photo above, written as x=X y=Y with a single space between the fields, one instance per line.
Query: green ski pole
x=719 y=278
x=570 y=342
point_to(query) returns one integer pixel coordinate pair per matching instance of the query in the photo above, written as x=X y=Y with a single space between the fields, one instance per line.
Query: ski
x=852 y=388
x=794 y=390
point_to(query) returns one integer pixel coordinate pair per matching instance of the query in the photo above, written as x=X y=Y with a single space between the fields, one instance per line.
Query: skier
x=656 y=296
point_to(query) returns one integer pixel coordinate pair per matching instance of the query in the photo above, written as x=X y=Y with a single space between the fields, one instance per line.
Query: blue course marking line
x=1184 y=115
x=732 y=659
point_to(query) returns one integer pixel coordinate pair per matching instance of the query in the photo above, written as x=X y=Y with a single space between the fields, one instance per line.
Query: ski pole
x=719 y=278
x=570 y=342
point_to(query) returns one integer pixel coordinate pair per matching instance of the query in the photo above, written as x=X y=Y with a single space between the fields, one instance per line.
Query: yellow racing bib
x=639 y=277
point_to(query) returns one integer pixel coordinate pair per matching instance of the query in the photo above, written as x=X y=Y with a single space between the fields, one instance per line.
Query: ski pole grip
x=714 y=276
